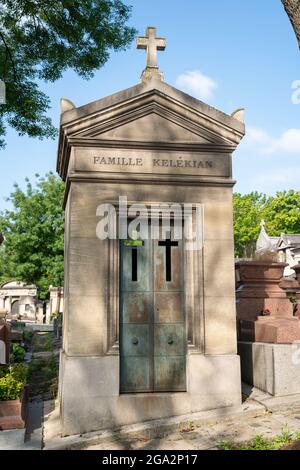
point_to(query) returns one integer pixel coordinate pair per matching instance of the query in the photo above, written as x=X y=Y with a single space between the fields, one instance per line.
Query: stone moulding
x=90 y=123
x=193 y=273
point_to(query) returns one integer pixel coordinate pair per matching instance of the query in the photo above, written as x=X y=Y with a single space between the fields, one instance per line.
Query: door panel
x=136 y=340
x=137 y=307
x=135 y=374
x=168 y=307
x=169 y=340
x=169 y=317
x=169 y=374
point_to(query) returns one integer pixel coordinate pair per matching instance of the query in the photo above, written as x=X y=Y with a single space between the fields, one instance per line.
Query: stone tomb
x=19 y=299
x=149 y=331
x=269 y=333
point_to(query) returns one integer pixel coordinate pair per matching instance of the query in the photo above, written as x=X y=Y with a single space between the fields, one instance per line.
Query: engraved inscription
x=118 y=161
x=182 y=163
x=156 y=162
x=152 y=162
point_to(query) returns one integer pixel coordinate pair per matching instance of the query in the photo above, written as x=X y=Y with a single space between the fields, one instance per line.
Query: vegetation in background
x=43 y=342
x=42 y=376
x=12 y=381
x=27 y=337
x=247 y=215
x=40 y=40
x=259 y=442
x=280 y=212
x=18 y=353
x=33 y=248
x=43 y=370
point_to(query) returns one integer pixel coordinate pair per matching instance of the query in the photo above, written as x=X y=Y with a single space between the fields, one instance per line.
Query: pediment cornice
x=194 y=124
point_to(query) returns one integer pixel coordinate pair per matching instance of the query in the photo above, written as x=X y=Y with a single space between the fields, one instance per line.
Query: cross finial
x=262 y=223
x=152 y=44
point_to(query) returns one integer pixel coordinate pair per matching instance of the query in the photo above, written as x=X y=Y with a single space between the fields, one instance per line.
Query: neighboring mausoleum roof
x=17 y=285
x=289 y=241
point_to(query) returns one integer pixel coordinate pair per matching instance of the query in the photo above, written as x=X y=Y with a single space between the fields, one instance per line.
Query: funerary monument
x=149 y=324
x=269 y=327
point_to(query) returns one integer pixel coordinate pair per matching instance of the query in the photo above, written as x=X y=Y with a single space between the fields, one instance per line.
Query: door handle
x=170 y=340
x=135 y=341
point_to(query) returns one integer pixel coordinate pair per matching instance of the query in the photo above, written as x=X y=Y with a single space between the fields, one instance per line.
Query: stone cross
x=151 y=44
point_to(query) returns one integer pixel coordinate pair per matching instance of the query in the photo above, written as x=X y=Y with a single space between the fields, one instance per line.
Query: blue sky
x=230 y=54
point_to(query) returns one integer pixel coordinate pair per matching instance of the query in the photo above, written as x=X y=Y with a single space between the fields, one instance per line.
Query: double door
x=152 y=318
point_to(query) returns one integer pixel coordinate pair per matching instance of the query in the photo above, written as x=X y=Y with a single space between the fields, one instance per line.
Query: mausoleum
x=19 y=299
x=149 y=322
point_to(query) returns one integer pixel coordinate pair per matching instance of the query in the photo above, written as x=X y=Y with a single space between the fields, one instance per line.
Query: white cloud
x=287 y=142
x=280 y=176
x=255 y=135
x=197 y=84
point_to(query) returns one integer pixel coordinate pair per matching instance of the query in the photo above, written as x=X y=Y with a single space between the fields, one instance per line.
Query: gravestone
x=269 y=333
x=149 y=322
x=19 y=299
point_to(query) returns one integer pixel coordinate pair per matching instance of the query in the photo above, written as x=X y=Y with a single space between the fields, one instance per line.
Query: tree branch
x=292 y=8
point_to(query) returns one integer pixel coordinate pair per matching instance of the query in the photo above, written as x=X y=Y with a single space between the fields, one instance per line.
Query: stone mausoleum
x=19 y=299
x=149 y=325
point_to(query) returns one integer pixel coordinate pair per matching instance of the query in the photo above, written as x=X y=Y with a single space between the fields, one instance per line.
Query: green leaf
x=40 y=40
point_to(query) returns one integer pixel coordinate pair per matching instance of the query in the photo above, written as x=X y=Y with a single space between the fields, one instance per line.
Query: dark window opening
x=134 y=264
x=168 y=244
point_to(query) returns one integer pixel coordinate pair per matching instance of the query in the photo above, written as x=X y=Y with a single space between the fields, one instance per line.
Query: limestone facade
x=152 y=144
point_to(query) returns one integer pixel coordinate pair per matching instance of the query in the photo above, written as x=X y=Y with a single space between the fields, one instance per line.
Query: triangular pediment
x=151 y=113
x=281 y=244
x=153 y=128
x=150 y=127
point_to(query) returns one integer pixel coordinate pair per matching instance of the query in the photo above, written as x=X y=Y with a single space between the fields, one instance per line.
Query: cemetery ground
x=35 y=356
x=261 y=423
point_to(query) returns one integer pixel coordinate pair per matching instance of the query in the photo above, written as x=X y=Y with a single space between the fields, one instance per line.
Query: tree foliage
x=280 y=212
x=40 y=39
x=33 y=250
x=247 y=214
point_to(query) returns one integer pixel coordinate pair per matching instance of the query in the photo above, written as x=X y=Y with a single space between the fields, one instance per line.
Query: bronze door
x=152 y=319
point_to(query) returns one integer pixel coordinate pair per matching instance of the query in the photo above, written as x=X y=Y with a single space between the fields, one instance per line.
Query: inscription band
x=156 y=162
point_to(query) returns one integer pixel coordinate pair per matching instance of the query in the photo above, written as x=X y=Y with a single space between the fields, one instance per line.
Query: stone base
x=249 y=308
x=273 y=368
x=271 y=330
x=277 y=330
x=90 y=399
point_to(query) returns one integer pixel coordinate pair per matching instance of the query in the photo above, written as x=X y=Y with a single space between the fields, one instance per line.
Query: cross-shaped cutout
x=152 y=44
x=168 y=243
